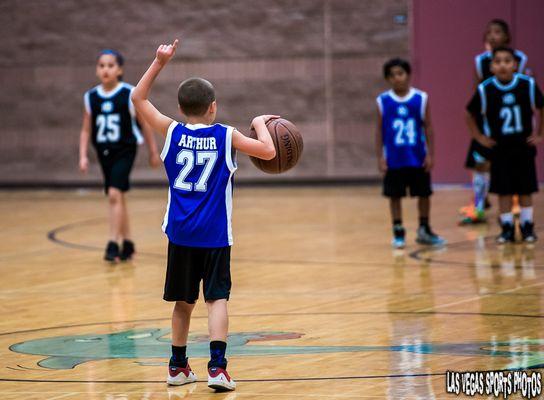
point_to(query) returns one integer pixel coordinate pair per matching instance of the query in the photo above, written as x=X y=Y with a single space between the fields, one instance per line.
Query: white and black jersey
x=483 y=64
x=113 y=117
x=507 y=108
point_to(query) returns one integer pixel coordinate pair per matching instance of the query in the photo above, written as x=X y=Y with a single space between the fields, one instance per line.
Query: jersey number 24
x=405 y=132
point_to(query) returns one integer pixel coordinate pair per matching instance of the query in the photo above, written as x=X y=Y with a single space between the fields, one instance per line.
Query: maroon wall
x=315 y=62
x=446 y=35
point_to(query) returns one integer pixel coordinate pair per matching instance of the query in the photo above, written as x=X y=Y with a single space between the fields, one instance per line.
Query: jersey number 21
x=511 y=120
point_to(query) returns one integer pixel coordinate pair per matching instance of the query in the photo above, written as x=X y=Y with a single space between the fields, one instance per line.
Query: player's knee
x=182 y=307
x=395 y=200
x=214 y=303
x=114 y=195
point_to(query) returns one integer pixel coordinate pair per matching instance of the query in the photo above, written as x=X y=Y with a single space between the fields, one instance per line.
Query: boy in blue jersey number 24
x=404 y=148
x=199 y=158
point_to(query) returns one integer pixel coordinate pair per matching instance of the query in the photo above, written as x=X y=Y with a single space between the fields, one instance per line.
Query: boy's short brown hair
x=195 y=96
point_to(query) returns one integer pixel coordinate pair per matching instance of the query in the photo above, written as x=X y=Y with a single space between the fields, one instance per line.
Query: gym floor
x=321 y=306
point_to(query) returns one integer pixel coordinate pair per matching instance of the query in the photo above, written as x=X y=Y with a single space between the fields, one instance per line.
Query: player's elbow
x=269 y=153
x=135 y=97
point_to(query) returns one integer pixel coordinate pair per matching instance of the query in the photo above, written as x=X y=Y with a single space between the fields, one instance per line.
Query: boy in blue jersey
x=199 y=158
x=404 y=148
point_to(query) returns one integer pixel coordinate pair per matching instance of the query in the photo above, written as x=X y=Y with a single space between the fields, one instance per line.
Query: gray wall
x=315 y=62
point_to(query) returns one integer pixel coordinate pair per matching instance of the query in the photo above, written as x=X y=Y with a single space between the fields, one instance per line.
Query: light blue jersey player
x=404 y=149
x=200 y=163
x=404 y=142
x=199 y=160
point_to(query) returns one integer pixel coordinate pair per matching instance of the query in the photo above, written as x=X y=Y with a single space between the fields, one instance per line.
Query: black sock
x=397 y=222
x=179 y=356
x=217 y=354
x=424 y=222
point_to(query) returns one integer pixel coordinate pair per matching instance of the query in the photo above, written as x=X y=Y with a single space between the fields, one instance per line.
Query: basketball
x=288 y=143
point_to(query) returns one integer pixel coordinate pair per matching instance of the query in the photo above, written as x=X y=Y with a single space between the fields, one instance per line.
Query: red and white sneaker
x=180 y=376
x=219 y=379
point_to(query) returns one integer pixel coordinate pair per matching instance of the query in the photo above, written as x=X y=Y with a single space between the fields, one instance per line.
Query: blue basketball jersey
x=404 y=143
x=200 y=163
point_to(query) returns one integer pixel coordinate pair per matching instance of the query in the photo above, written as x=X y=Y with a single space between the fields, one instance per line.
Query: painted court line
x=479 y=297
x=62 y=396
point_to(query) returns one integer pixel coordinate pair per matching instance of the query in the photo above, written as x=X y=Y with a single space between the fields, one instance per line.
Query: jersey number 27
x=186 y=158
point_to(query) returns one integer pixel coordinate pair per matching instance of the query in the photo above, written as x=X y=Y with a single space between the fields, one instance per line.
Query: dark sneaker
x=219 y=379
x=426 y=236
x=128 y=250
x=399 y=234
x=508 y=234
x=112 y=251
x=528 y=232
x=178 y=376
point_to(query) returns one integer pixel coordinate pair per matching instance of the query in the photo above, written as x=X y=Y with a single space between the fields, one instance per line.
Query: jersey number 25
x=108 y=128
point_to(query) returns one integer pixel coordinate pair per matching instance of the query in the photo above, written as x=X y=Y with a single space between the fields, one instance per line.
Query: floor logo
x=65 y=352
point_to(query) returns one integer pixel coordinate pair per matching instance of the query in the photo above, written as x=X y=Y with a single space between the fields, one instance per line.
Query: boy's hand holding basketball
x=165 y=52
x=263 y=119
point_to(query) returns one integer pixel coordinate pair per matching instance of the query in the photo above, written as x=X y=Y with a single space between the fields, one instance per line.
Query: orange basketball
x=288 y=143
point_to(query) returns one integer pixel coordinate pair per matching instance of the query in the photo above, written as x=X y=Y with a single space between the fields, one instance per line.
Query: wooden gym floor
x=321 y=306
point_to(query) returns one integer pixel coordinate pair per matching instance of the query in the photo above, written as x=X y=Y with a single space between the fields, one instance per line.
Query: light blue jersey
x=404 y=142
x=200 y=163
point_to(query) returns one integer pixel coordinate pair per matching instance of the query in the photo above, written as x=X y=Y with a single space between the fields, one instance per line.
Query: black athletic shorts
x=513 y=170
x=417 y=180
x=116 y=166
x=187 y=266
x=477 y=154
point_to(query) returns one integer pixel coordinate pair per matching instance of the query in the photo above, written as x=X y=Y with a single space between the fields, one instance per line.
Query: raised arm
x=263 y=146
x=84 y=136
x=140 y=94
